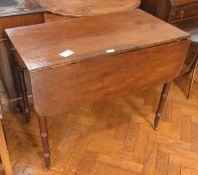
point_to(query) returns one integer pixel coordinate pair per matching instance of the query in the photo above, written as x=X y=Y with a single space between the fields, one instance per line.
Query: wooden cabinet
x=177 y=12
x=184 y=15
x=14 y=13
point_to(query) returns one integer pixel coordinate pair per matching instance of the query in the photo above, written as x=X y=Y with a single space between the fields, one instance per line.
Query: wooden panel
x=158 y=8
x=163 y=10
x=19 y=20
x=87 y=7
x=184 y=13
x=89 y=37
x=149 y=6
x=187 y=24
x=187 y=12
x=87 y=81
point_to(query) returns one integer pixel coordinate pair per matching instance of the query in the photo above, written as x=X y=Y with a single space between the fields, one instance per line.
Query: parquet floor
x=113 y=137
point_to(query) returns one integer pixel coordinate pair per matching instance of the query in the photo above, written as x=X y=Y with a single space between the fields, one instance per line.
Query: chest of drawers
x=177 y=12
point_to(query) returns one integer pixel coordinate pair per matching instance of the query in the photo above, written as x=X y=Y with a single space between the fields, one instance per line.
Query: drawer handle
x=3 y=39
x=182 y=14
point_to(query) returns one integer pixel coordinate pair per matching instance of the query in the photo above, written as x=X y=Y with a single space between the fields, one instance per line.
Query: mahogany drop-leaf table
x=79 y=61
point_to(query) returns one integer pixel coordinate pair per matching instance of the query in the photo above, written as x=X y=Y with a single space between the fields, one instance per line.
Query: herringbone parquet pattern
x=113 y=137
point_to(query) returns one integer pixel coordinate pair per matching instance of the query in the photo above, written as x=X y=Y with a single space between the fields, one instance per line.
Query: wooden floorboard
x=113 y=137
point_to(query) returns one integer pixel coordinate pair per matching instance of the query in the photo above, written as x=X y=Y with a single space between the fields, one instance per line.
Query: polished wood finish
x=45 y=68
x=95 y=79
x=4 y=154
x=92 y=72
x=79 y=8
x=23 y=13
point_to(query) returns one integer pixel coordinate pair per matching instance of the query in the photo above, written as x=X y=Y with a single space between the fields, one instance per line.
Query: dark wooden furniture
x=14 y=13
x=177 y=12
x=4 y=154
x=80 y=61
x=183 y=14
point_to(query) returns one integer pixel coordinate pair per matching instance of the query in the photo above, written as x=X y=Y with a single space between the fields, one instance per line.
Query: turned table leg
x=163 y=97
x=45 y=142
x=21 y=85
x=24 y=95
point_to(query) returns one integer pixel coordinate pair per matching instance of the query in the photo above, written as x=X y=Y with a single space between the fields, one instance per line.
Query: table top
x=87 y=7
x=19 y=7
x=66 y=42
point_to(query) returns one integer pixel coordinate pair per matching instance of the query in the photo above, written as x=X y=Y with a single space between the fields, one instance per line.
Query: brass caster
x=155 y=128
x=27 y=116
x=27 y=120
x=45 y=167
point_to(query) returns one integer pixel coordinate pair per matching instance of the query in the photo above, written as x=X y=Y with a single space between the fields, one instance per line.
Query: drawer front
x=186 y=12
x=188 y=24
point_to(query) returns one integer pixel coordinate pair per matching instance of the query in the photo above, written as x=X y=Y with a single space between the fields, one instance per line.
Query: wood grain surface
x=86 y=82
x=90 y=37
x=78 y=8
x=142 y=56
